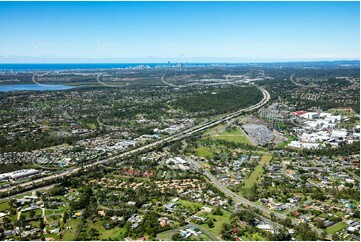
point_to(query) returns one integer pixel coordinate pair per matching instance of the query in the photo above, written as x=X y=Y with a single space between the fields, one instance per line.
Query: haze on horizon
x=78 y=32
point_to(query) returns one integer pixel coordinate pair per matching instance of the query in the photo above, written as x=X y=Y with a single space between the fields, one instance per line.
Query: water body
x=32 y=87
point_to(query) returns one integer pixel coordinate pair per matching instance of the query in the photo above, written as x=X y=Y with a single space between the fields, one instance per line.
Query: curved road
x=294 y=82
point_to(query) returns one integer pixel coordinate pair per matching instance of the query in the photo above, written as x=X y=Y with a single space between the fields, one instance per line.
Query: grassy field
x=112 y=234
x=252 y=237
x=38 y=213
x=225 y=218
x=342 y=111
x=4 y=206
x=213 y=130
x=91 y=125
x=165 y=235
x=252 y=179
x=237 y=136
x=205 y=152
x=336 y=227
x=70 y=234
x=55 y=237
x=60 y=210
x=188 y=204
x=286 y=142
x=35 y=223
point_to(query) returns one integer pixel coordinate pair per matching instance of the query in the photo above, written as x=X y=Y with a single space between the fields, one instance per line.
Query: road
x=23 y=193
x=294 y=82
x=238 y=199
x=179 y=136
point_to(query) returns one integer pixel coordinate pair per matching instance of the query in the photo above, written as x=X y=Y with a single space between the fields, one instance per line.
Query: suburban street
x=238 y=199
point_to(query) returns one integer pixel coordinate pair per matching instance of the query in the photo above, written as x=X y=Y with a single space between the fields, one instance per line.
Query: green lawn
x=91 y=125
x=336 y=227
x=70 y=234
x=38 y=213
x=165 y=235
x=286 y=142
x=35 y=223
x=56 y=237
x=225 y=218
x=111 y=234
x=214 y=129
x=205 y=152
x=237 y=136
x=58 y=211
x=114 y=234
x=206 y=237
x=188 y=204
x=4 y=206
x=252 y=237
x=252 y=179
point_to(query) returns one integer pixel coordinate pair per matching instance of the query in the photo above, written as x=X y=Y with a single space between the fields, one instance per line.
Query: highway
x=179 y=136
x=296 y=83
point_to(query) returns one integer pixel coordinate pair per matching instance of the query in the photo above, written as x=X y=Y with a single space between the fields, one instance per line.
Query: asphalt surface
x=296 y=83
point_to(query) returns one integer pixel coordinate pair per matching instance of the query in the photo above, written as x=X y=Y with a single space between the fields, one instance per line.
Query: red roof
x=238 y=239
x=299 y=112
x=235 y=230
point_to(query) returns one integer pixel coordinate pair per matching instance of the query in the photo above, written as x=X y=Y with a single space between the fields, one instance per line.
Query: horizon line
x=178 y=62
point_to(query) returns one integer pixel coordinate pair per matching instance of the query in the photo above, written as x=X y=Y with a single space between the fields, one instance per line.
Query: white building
x=339 y=134
x=310 y=115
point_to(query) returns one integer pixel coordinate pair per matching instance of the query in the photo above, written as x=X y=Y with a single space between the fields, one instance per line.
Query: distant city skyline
x=157 y=32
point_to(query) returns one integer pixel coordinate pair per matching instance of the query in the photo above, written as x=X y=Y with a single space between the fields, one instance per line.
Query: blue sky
x=178 y=31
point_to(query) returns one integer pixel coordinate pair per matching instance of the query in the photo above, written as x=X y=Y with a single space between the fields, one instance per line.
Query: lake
x=33 y=87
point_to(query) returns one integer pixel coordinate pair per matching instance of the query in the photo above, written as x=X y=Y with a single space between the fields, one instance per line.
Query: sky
x=129 y=32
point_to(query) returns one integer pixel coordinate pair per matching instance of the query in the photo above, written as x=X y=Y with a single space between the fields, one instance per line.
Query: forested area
x=221 y=101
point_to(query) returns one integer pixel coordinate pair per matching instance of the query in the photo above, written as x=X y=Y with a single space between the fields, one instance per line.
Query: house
x=328 y=223
x=55 y=231
x=163 y=222
x=54 y=224
x=266 y=227
x=207 y=209
x=116 y=218
x=169 y=207
x=131 y=203
x=101 y=213
x=198 y=218
x=310 y=115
